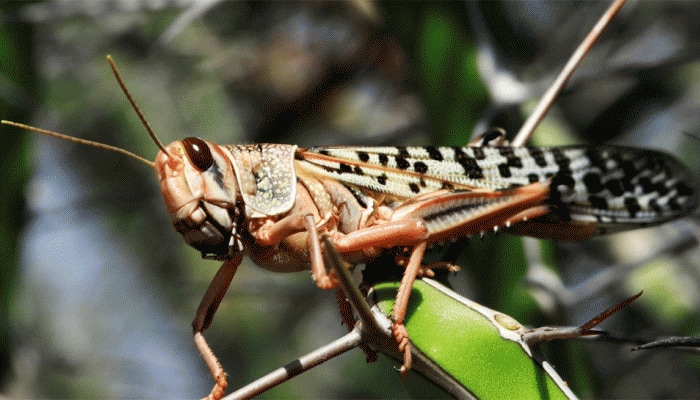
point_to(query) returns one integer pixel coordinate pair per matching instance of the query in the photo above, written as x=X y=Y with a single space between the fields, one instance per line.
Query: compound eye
x=198 y=152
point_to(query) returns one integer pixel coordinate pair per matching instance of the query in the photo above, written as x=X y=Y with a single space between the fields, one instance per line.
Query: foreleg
x=203 y=319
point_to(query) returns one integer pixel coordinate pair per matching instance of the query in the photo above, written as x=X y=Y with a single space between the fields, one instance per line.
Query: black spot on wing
x=617 y=187
x=511 y=159
x=478 y=153
x=593 y=183
x=632 y=206
x=674 y=205
x=562 y=161
x=383 y=159
x=363 y=156
x=682 y=189
x=504 y=170
x=598 y=202
x=434 y=153
x=538 y=155
x=654 y=205
x=628 y=168
x=469 y=164
x=596 y=159
x=646 y=185
x=560 y=185
x=401 y=162
x=420 y=167
x=447 y=185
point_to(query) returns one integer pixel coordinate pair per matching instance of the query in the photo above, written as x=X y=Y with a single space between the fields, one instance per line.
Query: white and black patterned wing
x=608 y=185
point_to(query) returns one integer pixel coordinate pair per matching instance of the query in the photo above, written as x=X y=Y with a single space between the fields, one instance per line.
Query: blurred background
x=97 y=291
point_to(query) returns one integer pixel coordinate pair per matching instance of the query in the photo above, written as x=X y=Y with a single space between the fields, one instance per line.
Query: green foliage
x=467 y=345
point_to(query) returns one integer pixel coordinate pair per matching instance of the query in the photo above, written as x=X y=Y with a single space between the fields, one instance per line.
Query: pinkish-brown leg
x=399 y=313
x=203 y=319
x=323 y=280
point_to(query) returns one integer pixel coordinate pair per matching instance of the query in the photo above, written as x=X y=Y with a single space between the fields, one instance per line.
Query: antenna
x=81 y=141
x=134 y=106
x=98 y=144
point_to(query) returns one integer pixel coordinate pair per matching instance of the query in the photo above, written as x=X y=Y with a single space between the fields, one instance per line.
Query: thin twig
x=298 y=366
x=547 y=99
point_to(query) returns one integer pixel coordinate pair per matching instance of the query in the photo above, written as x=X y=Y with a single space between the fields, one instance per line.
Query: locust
x=272 y=203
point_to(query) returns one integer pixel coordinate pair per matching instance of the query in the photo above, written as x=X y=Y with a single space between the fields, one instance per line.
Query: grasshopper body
x=271 y=202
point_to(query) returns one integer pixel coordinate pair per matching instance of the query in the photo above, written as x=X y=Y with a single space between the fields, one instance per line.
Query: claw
x=328 y=281
x=427 y=270
x=401 y=336
x=217 y=392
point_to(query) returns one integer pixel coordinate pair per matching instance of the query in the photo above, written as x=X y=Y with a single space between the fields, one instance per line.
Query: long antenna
x=81 y=141
x=134 y=106
x=98 y=144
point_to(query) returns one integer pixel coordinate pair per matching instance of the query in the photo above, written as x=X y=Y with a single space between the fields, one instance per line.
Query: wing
x=408 y=171
x=606 y=185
